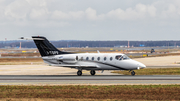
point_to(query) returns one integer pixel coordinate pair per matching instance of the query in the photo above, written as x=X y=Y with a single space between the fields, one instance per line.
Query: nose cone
x=141 y=66
x=137 y=65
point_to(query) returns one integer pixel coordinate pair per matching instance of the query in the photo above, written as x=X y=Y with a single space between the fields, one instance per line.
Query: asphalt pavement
x=88 y=79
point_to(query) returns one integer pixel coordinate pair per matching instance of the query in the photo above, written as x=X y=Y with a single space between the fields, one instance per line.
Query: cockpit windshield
x=125 y=57
x=118 y=57
x=122 y=57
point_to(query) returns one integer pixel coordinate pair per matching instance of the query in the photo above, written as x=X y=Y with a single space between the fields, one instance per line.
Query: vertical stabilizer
x=45 y=47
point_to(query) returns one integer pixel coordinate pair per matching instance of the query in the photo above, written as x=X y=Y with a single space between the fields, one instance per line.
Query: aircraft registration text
x=52 y=52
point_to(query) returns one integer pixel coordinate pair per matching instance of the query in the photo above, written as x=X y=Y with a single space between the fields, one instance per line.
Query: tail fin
x=45 y=47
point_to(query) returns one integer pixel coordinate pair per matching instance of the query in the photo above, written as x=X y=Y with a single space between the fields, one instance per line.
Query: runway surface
x=87 y=79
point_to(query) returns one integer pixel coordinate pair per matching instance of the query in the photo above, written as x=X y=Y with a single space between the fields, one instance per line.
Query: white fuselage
x=94 y=61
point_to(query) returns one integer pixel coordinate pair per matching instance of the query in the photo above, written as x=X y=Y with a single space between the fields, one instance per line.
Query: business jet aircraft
x=85 y=61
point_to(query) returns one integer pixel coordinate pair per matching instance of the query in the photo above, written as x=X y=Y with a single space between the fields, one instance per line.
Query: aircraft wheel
x=133 y=73
x=93 y=72
x=79 y=73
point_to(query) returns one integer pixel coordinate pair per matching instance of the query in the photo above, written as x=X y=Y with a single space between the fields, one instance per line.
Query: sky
x=91 y=19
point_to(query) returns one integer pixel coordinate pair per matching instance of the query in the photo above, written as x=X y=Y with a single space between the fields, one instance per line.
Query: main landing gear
x=79 y=72
x=133 y=73
x=93 y=72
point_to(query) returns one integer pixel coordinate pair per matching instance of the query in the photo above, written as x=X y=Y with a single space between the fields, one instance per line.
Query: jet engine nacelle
x=68 y=59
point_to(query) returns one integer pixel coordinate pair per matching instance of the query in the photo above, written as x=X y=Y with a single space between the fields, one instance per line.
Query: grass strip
x=152 y=71
x=120 y=92
x=55 y=99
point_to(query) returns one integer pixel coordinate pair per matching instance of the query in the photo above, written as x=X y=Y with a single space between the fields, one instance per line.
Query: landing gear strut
x=79 y=72
x=93 y=72
x=133 y=73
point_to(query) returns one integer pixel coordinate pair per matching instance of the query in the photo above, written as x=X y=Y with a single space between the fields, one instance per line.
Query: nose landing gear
x=133 y=73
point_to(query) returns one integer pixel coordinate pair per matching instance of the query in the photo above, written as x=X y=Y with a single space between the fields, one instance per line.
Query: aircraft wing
x=81 y=66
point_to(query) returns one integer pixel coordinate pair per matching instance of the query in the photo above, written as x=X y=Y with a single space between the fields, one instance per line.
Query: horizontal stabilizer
x=25 y=38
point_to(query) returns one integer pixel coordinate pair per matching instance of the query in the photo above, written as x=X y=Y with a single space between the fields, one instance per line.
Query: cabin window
x=81 y=58
x=76 y=57
x=111 y=58
x=104 y=58
x=87 y=58
x=92 y=58
x=98 y=58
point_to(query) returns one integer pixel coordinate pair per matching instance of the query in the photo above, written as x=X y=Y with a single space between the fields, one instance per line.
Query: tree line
x=76 y=43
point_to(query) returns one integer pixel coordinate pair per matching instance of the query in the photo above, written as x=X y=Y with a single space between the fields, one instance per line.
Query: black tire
x=133 y=73
x=79 y=73
x=93 y=72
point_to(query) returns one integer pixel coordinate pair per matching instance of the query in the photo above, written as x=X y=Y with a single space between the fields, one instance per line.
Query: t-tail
x=45 y=47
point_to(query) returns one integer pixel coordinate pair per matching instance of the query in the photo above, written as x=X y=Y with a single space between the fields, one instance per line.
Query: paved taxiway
x=86 y=79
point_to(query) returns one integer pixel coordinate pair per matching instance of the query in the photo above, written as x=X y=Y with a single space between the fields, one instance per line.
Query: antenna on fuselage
x=98 y=51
